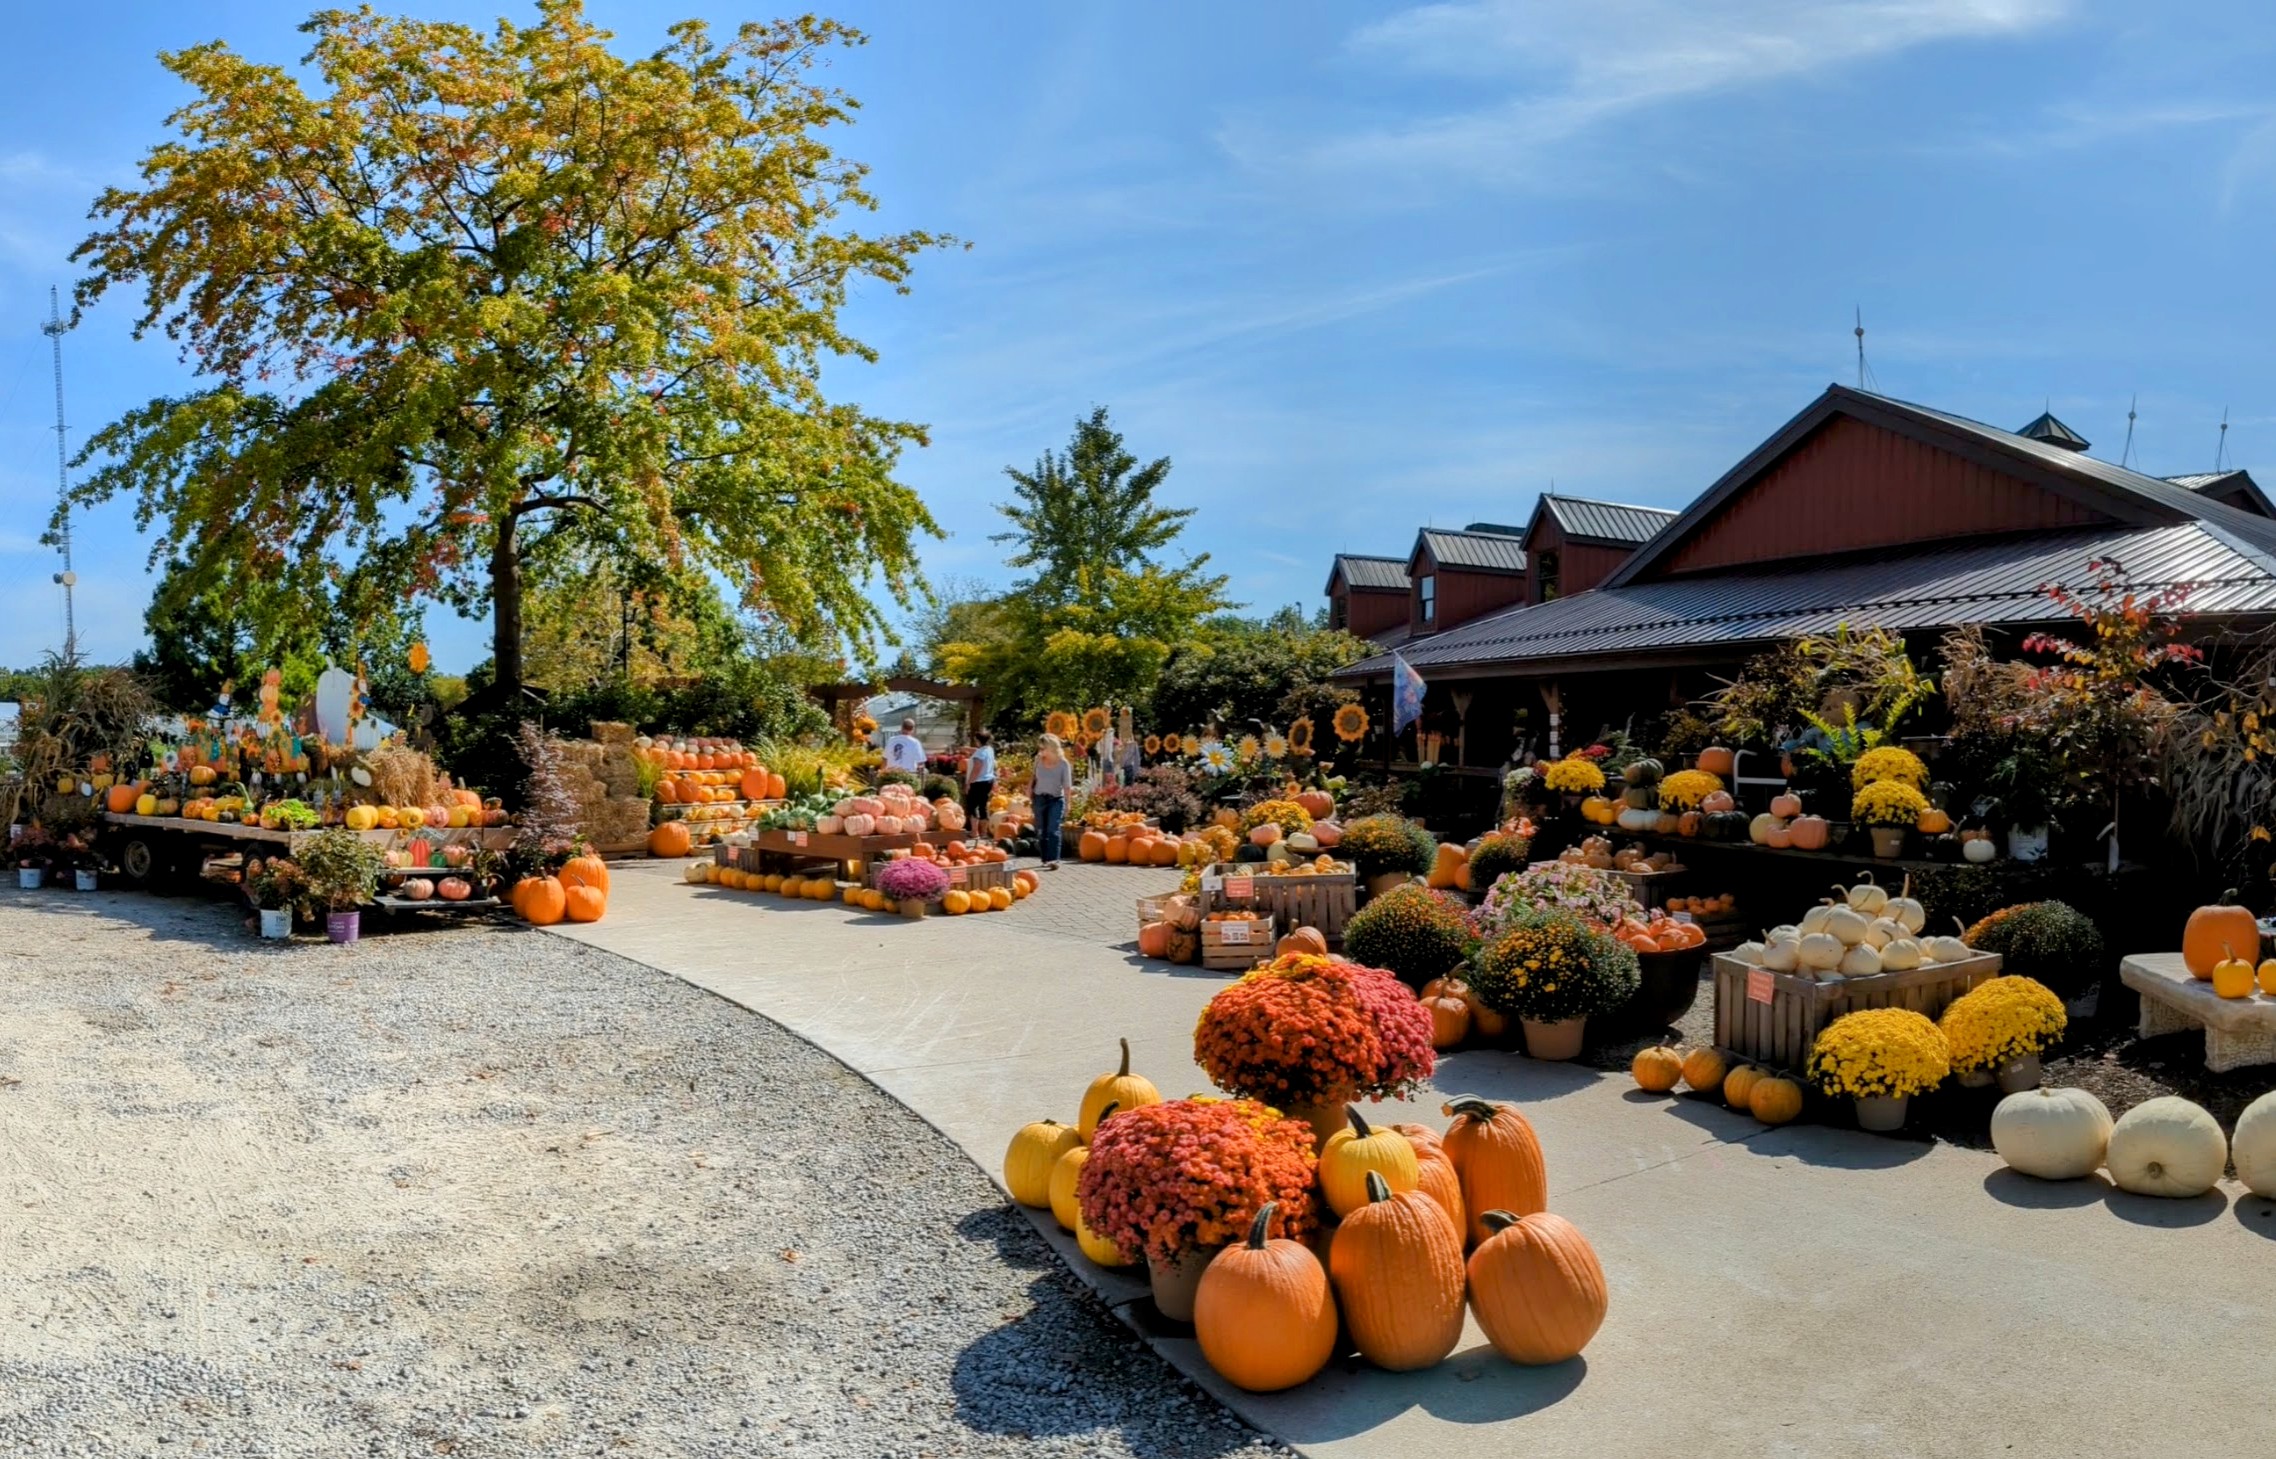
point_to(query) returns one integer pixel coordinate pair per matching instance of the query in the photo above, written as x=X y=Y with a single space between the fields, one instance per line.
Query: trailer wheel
x=145 y=862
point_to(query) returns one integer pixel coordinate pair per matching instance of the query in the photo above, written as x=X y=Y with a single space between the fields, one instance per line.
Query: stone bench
x=2238 y=1031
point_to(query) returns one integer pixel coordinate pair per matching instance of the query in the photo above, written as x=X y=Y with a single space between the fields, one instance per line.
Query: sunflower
x=1096 y=723
x=1300 y=736
x=1153 y=744
x=1060 y=723
x=1216 y=759
x=1248 y=749
x=1192 y=745
x=1274 y=745
x=1351 y=723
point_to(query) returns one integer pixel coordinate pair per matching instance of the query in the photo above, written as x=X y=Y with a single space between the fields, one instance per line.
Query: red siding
x=1373 y=610
x=1463 y=596
x=1852 y=487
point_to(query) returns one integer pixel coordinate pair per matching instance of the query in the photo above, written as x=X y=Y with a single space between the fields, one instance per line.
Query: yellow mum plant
x=1574 y=772
x=1999 y=1021
x=1888 y=803
x=1881 y=1051
x=1286 y=814
x=1889 y=763
x=1683 y=790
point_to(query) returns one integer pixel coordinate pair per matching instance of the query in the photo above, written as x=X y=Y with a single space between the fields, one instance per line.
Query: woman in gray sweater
x=1054 y=782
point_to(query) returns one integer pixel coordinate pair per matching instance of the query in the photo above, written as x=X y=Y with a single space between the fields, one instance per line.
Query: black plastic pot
x=1668 y=987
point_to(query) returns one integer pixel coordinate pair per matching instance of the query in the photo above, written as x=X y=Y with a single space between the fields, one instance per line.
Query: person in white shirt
x=905 y=751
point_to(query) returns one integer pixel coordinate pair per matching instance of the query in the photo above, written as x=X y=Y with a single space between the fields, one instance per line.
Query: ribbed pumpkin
x=1738 y=1086
x=1449 y=1020
x=1494 y=1150
x=1398 y=1276
x=1441 y=1183
x=1358 y=1150
x=586 y=871
x=1099 y=1249
x=670 y=839
x=583 y=903
x=1264 y=1315
x=1092 y=846
x=1064 y=1174
x=1034 y=1150
x=1303 y=939
x=1656 y=1069
x=2212 y=930
x=1537 y=1287
x=1703 y=1068
x=1774 y=1100
x=541 y=900
x=1123 y=1088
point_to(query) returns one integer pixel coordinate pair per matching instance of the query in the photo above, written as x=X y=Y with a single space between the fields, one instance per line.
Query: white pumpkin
x=1861 y=961
x=1814 y=920
x=1304 y=843
x=1906 y=912
x=1979 y=850
x=1946 y=950
x=858 y=824
x=1632 y=819
x=1759 y=829
x=1819 y=951
x=1783 y=932
x=2053 y=1134
x=845 y=808
x=1868 y=897
x=1900 y=955
x=698 y=872
x=1885 y=931
x=2254 y=1147
x=1848 y=924
x=2167 y=1147
x=1782 y=957
x=1749 y=953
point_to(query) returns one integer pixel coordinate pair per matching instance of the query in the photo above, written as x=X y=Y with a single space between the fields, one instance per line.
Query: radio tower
x=54 y=329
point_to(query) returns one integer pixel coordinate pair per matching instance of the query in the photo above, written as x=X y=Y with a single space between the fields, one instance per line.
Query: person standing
x=905 y=752
x=1054 y=781
x=1133 y=760
x=979 y=783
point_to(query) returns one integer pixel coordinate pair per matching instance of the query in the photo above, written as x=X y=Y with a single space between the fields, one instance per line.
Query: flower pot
x=1325 y=1117
x=2027 y=843
x=1669 y=985
x=1888 y=842
x=2017 y=1075
x=276 y=923
x=1559 y=1040
x=1388 y=881
x=86 y=880
x=1175 y=1283
x=1977 y=1079
x=1881 y=1113
x=343 y=926
x=911 y=906
x=29 y=877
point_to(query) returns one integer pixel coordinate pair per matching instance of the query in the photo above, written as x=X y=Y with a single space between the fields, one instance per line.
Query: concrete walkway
x=1805 y=1291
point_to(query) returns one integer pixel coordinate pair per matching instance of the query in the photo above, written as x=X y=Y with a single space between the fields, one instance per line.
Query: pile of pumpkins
x=956 y=901
x=895 y=810
x=2166 y=1146
x=1599 y=852
x=464 y=810
x=1771 y=1098
x=1865 y=932
x=421 y=889
x=579 y=892
x=1428 y=1224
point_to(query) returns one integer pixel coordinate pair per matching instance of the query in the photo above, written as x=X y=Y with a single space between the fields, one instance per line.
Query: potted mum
x=1889 y=808
x=1309 y=1035
x=913 y=883
x=1880 y=1058
x=343 y=873
x=1998 y=1029
x=1573 y=777
x=1551 y=971
x=1596 y=897
x=1412 y=932
x=1387 y=851
x=277 y=887
x=1175 y=1183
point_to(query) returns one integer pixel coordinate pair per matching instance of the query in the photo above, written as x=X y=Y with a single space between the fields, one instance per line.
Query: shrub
x=1412 y=931
x=1380 y=845
x=2050 y=942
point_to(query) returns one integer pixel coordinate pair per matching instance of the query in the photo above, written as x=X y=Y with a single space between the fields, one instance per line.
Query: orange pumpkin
x=1786 y=806
x=668 y=791
x=670 y=839
x=1449 y=1020
x=1303 y=940
x=1263 y=1315
x=1117 y=850
x=2212 y=930
x=1317 y=804
x=585 y=903
x=1398 y=1274
x=1092 y=846
x=1808 y=833
x=1537 y=1287
x=1154 y=939
x=1716 y=760
x=586 y=871
x=120 y=798
x=541 y=900
x=1496 y=1153
x=1439 y=1180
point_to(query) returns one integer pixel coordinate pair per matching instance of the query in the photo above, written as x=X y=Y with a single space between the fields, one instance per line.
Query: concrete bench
x=2238 y=1031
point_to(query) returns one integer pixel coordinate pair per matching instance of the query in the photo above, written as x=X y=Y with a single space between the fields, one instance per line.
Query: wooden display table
x=1775 y=1018
x=851 y=852
x=2238 y=1031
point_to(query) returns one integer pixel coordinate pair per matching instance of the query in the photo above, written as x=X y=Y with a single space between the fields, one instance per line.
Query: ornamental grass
x=1880 y=1053
x=1304 y=1030
x=1548 y=965
x=1999 y=1021
x=1164 y=1179
x=1888 y=803
x=1889 y=762
x=1413 y=932
x=1574 y=773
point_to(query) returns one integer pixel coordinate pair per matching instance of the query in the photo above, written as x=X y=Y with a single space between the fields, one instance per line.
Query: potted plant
x=1998 y=1029
x=1412 y=932
x=1573 y=777
x=2021 y=783
x=1880 y=1058
x=1387 y=851
x=913 y=883
x=277 y=887
x=1173 y=1184
x=33 y=851
x=1550 y=970
x=343 y=870
x=1309 y=1035
x=1889 y=808
x=1596 y=897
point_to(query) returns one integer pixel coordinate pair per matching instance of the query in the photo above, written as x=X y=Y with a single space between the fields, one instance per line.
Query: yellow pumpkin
x=1656 y=1069
x=2232 y=977
x=1356 y=1150
x=1119 y=1090
x=362 y=818
x=956 y=902
x=1061 y=1193
x=1774 y=1099
x=1034 y=1152
x=1101 y=1251
x=1703 y=1068
x=1738 y=1086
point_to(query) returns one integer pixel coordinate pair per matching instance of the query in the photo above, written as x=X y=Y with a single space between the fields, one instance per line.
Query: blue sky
x=1360 y=267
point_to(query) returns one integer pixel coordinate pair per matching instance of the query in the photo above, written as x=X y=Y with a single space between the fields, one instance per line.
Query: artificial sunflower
x=1300 y=736
x=1248 y=749
x=1351 y=723
x=1192 y=744
x=1060 y=723
x=1153 y=744
x=1274 y=745
x=1096 y=723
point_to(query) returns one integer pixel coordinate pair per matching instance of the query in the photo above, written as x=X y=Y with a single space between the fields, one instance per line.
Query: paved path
x=1805 y=1291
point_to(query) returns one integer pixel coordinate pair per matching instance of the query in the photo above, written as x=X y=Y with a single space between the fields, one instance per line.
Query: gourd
x=1537 y=1287
x=1399 y=1278
x=2052 y=1134
x=1704 y=1069
x=1934 y=821
x=1906 y=912
x=2268 y=976
x=416 y=889
x=1738 y=1086
x=1637 y=819
x=454 y=889
x=670 y=839
x=1900 y=955
x=1814 y=920
x=1656 y=1069
x=1847 y=924
x=1123 y=1088
x=1868 y=897
x=1446 y=867
x=1263 y=1314
x=1265 y=833
x=1819 y=952
x=1783 y=955
x=1808 y=833
x=2211 y=930
x=1028 y=1161
x=584 y=902
x=2253 y=1147
x=1775 y=1100
x=2167 y=1147
x=1644 y=772
x=1946 y=949
x=2232 y=977
x=1498 y=1157
x=1749 y=951
x=1861 y=961
x=1359 y=1150
x=1884 y=931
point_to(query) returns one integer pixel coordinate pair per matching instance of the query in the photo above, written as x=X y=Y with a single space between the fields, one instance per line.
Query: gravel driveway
x=484 y=1192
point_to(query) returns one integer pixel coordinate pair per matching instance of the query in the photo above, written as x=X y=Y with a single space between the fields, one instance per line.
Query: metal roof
x=1989 y=581
x=1477 y=551
x=2046 y=428
x=1615 y=522
x=1364 y=573
x=2237 y=488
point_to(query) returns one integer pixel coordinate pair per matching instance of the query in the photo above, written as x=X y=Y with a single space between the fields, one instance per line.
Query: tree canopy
x=479 y=289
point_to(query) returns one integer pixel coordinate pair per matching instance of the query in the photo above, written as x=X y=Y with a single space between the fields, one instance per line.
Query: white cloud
x=1576 y=66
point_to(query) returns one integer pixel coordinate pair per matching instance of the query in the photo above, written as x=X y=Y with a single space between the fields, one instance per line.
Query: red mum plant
x=1305 y=1030
x=1165 y=1179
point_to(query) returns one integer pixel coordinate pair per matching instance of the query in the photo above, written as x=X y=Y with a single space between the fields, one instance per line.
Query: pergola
x=832 y=696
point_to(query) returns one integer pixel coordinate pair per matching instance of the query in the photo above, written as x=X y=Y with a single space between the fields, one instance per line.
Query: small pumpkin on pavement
x=1264 y=1314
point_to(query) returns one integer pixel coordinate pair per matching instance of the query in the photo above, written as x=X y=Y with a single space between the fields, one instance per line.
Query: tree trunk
x=506 y=611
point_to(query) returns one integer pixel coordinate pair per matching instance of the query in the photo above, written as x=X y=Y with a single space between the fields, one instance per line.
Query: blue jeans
x=1050 y=810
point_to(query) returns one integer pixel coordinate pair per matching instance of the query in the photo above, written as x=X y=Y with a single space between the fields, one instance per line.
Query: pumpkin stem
x=2228 y=898
x=1907 y=891
x=1377 y=1188
x=1257 y=1226
x=1497 y=1220
x=1105 y=1114
x=1124 y=1071
x=1358 y=1121
x=1467 y=1106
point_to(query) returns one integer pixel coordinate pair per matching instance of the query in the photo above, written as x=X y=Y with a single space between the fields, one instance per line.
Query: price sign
x=1212 y=884
x=1240 y=888
x=1233 y=934
x=798 y=838
x=959 y=875
x=1759 y=985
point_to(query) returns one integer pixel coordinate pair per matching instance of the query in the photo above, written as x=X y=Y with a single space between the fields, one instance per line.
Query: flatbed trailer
x=164 y=853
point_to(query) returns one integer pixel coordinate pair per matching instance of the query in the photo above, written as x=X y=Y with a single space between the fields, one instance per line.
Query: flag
x=1406 y=694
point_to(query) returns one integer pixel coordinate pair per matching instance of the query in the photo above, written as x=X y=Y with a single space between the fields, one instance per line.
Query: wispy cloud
x=1575 y=67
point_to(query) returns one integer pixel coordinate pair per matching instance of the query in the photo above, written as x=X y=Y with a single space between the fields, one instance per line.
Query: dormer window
x=1545 y=565
x=1427 y=586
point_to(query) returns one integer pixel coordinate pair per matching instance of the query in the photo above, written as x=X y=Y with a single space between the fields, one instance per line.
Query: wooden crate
x=1235 y=947
x=1782 y=1031
x=1324 y=902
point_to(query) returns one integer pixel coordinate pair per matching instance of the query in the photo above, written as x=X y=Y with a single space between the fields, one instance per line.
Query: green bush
x=1380 y=845
x=1497 y=855
x=1411 y=931
x=2050 y=942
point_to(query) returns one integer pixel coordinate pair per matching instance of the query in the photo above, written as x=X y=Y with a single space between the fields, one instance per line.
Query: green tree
x=202 y=638
x=481 y=282
x=1088 y=513
x=1272 y=672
